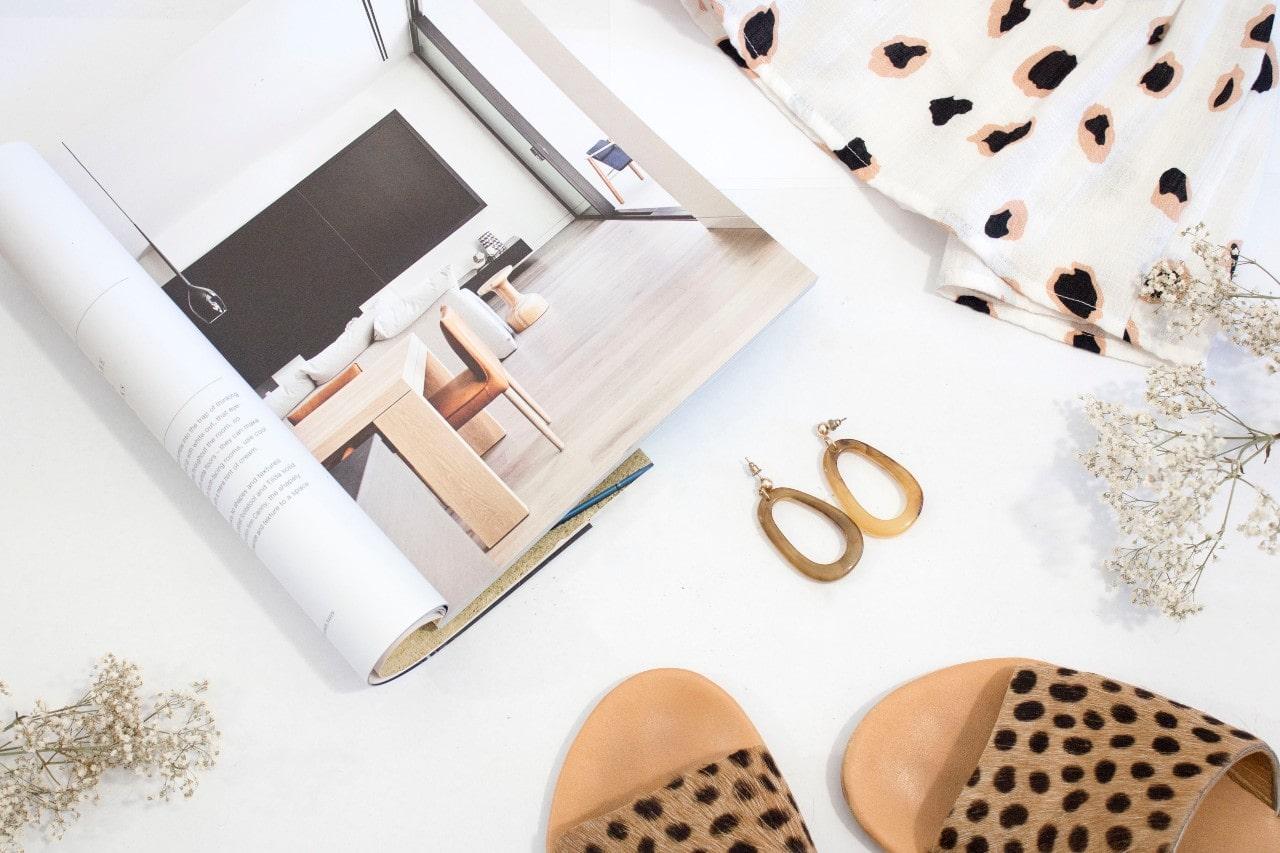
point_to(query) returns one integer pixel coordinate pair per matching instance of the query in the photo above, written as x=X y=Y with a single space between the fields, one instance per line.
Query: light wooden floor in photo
x=641 y=314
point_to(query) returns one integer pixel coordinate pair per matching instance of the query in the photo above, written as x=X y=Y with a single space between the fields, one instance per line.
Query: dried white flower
x=1180 y=390
x=51 y=760
x=1166 y=479
x=1214 y=298
x=1264 y=524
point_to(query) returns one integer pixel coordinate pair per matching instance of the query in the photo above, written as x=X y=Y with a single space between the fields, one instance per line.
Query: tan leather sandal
x=1021 y=756
x=667 y=761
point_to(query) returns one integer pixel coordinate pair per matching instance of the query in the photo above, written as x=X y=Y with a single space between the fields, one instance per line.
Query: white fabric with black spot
x=1064 y=143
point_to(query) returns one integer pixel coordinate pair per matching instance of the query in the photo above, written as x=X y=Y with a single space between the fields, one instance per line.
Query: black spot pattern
x=1261 y=31
x=1075 y=291
x=1266 y=75
x=724 y=824
x=727 y=48
x=900 y=53
x=975 y=303
x=1007 y=14
x=1024 y=682
x=1028 y=711
x=649 y=809
x=1068 y=692
x=1098 y=127
x=1159 y=77
x=1049 y=72
x=1171 y=193
x=1078 y=745
x=998 y=139
x=1014 y=815
x=943 y=110
x=758 y=33
x=856 y=156
x=998 y=224
x=1224 y=94
x=1174 y=182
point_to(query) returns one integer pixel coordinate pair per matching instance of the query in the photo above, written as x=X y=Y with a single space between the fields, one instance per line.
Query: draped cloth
x=1064 y=144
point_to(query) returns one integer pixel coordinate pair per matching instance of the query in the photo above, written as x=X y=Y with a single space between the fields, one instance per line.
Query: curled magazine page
x=362 y=592
x=452 y=273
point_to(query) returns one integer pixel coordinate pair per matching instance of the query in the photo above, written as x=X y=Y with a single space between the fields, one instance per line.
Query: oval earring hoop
x=771 y=496
x=881 y=528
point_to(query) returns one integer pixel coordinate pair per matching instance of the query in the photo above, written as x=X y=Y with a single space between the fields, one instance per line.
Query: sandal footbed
x=645 y=731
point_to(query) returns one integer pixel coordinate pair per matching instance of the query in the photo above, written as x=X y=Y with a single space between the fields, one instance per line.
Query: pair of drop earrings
x=850 y=517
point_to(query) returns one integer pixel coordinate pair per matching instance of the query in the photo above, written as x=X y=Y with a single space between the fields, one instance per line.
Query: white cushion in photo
x=397 y=311
x=330 y=361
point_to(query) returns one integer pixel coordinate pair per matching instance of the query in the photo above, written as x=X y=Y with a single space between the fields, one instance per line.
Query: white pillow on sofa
x=331 y=360
x=293 y=386
x=283 y=399
x=397 y=311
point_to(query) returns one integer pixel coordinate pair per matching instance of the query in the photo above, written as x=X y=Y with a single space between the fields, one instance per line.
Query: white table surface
x=105 y=546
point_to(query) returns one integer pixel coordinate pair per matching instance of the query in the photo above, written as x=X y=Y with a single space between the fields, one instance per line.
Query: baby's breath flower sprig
x=1176 y=470
x=1216 y=296
x=1167 y=480
x=52 y=759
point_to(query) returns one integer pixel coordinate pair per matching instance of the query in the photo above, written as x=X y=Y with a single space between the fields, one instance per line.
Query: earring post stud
x=827 y=427
x=765 y=484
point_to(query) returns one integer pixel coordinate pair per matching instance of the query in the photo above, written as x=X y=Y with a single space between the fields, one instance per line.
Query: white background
x=104 y=545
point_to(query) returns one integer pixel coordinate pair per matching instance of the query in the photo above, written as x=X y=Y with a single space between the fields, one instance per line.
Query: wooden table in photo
x=387 y=396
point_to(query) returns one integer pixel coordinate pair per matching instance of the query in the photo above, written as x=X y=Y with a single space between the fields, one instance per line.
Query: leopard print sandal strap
x=739 y=804
x=1080 y=762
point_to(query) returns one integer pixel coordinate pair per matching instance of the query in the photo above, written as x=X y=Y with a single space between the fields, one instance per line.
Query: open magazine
x=400 y=289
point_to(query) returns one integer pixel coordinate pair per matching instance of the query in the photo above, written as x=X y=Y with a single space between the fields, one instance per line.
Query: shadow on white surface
x=835 y=770
x=539 y=843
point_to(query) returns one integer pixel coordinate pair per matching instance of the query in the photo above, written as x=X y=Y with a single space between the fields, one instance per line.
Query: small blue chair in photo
x=608 y=160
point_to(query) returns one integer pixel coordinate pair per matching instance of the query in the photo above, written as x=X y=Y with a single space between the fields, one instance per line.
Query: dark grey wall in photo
x=293 y=276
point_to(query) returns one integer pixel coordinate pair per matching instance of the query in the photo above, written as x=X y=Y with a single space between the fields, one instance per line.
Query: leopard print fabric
x=739 y=804
x=1080 y=762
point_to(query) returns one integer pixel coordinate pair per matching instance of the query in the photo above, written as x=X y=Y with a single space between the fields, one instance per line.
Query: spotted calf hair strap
x=1080 y=762
x=739 y=804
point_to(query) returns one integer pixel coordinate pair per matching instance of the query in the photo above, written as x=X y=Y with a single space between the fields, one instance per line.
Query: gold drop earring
x=880 y=528
x=771 y=496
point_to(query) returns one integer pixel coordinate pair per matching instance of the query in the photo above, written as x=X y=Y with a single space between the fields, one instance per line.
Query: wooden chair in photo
x=608 y=160
x=482 y=381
